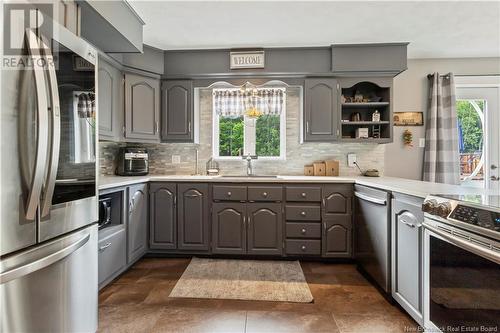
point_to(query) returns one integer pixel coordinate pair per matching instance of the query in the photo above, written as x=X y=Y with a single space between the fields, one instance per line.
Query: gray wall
x=410 y=94
x=369 y=155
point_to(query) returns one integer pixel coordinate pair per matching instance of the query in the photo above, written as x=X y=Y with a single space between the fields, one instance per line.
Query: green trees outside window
x=472 y=130
x=267 y=135
x=231 y=136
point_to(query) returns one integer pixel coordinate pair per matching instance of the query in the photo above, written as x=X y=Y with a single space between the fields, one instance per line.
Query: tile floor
x=344 y=301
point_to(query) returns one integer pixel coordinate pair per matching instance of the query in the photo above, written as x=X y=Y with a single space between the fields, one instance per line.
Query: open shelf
x=364 y=105
x=353 y=123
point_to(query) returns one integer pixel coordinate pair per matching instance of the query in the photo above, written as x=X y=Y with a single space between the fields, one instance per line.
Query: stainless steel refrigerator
x=48 y=230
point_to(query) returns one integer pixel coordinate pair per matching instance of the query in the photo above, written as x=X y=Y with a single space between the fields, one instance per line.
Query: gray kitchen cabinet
x=110 y=95
x=407 y=254
x=69 y=15
x=321 y=109
x=112 y=253
x=337 y=221
x=229 y=231
x=177 y=111
x=142 y=108
x=163 y=216
x=193 y=217
x=137 y=233
x=265 y=228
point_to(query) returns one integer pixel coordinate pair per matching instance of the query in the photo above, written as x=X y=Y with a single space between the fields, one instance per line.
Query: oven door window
x=77 y=154
x=464 y=290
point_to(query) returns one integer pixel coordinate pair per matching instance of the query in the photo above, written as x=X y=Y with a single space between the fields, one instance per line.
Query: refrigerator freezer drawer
x=52 y=287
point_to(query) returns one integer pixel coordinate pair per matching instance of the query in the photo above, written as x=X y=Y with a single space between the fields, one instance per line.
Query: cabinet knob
x=303 y=247
x=303 y=213
x=229 y=193
x=264 y=194
x=303 y=194
x=303 y=231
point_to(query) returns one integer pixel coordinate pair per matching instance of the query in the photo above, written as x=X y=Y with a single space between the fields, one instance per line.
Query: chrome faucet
x=249 y=159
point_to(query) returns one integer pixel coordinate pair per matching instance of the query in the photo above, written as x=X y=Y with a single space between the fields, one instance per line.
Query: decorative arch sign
x=246 y=59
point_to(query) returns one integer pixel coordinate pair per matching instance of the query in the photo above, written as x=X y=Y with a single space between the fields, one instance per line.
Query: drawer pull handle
x=264 y=194
x=104 y=247
x=303 y=213
x=304 y=194
x=303 y=247
x=229 y=193
x=303 y=231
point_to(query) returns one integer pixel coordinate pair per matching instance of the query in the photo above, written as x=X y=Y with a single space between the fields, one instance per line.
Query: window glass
x=231 y=136
x=267 y=135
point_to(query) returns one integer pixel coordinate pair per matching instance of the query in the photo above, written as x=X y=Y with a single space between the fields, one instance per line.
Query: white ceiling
x=434 y=29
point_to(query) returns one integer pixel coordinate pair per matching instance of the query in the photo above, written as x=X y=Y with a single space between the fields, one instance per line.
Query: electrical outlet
x=351 y=160
x=421 y=142
x=176 y=159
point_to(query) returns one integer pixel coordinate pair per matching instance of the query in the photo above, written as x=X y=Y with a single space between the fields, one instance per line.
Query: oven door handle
x=466 y=245
x=55 y=132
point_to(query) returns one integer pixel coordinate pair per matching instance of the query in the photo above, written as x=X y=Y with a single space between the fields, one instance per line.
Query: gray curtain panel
x=441 y=158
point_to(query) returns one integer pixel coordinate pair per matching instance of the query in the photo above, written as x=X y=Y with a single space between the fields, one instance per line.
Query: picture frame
x=409 y=118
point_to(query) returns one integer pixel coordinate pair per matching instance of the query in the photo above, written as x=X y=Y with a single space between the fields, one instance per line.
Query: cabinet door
x=137 y=242
x=337 y=237
x=69 y=15
x=407 y=238
x=228 y=228
x=110 y=96
x=321 y=110
x=265 y=228
x=337 y=199
x=193 y=217
x=142 y=108
x=162 y=216
x=177 y=111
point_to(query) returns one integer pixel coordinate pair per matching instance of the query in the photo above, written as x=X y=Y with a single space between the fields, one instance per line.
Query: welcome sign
x=247 y=59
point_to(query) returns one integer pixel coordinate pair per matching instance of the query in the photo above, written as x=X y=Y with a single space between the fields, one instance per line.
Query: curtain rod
x=444 y=75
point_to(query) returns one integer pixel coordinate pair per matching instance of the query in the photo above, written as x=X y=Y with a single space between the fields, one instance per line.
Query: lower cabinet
x=229 y=231
x=193 y=217
x=265 y=228
x=163 y=216
x=137 y=238
x=407 y=256
x=337 y=237
x=112 y=254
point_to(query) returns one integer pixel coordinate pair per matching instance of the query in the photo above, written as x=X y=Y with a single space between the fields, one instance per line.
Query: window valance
x=235 y=103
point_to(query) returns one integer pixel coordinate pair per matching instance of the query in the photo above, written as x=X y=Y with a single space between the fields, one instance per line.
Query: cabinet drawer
x=303 y=230
x=230 y=193
x=112 y=255
x=303 y=193
x=306 y=246
x=303 y=213
x=265 y=193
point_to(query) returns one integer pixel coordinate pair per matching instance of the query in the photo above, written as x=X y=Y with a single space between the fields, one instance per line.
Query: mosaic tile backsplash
x=369 y=155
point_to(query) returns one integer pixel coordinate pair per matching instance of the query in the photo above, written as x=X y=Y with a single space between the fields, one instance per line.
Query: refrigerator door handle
x=40 y=263
x=55 y=133
x=42 y=128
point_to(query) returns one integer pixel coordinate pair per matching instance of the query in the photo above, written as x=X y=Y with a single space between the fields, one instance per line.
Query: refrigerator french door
x=48 y=230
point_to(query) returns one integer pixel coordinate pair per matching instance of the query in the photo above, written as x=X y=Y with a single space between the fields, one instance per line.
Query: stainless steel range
x=462 y=263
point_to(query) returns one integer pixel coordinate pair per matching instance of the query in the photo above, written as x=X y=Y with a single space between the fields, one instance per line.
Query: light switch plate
x=176 y=159
x=351 y=160
x=421 y=142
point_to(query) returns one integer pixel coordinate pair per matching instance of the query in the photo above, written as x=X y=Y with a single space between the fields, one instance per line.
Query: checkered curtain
x=441 y=156
x=234 y=103
x=86 y=105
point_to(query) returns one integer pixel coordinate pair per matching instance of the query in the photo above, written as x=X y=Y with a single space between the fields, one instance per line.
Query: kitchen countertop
x=406 y=186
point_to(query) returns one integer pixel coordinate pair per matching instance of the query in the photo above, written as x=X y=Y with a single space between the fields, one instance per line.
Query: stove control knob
x=429 y=206
x=443 y=209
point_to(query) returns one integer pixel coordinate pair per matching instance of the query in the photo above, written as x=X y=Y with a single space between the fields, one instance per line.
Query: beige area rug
x=259 y=280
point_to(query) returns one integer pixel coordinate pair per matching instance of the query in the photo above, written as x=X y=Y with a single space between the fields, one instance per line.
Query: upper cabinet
x=142 y=108
x=177 y=111
x=69 y=15
x=321 y=111
x=369 y=59
x=110 y=94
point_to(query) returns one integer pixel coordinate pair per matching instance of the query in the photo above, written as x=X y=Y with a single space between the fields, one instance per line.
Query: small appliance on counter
x=132 y=161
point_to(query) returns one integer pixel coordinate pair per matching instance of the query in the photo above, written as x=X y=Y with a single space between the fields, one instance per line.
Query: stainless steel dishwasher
x=372 y=234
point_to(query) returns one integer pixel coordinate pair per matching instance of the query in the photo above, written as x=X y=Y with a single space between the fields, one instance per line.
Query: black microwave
x=104 y=212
